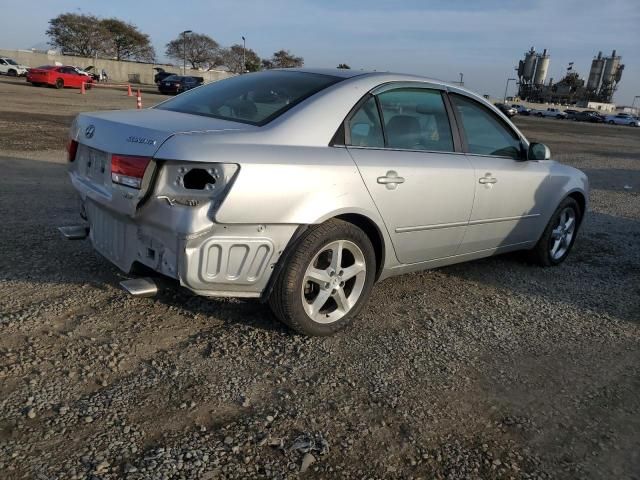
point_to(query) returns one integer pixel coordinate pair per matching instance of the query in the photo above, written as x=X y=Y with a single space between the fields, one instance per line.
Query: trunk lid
x=136 y=133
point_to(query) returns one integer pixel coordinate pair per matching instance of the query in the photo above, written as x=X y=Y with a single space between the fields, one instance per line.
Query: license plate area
x=94 y=164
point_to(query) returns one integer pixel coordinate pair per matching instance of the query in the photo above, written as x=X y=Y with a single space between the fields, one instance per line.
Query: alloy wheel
x=333 y=281
x=562 y=234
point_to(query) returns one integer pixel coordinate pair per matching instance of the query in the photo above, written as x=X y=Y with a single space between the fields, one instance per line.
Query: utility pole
x=461 y=77
x=633 y=105
x=504 y=99
x=244 y=54
x=184 y=51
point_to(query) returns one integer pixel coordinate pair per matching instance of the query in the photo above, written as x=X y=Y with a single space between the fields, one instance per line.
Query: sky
x=483 y=39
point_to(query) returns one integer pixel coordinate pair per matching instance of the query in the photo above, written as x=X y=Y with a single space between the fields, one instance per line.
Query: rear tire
x=326 y=280
x=59 y=83
x=559 y=236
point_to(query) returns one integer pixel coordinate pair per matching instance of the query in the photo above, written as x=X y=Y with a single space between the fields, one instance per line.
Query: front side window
x=485 y=133
x=416 y=119
x=364 y=127
x=254 y=98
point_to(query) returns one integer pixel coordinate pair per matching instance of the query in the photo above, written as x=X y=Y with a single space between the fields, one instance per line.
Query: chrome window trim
x=388 y=149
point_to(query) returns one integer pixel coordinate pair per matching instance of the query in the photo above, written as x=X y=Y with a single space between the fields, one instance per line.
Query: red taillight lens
x=72 y=149
x=128 y=170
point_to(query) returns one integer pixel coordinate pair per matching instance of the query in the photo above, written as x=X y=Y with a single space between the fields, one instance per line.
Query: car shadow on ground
x=601 y=242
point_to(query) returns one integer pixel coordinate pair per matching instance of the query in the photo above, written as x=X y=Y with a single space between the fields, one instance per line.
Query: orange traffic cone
x=139 y=100
x=82 y=91
x=129 y=92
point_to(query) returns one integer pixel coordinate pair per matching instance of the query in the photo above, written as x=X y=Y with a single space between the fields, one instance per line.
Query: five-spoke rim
x=562 y=234
x=333 y=281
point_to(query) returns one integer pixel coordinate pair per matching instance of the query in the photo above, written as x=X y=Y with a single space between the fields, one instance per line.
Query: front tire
x=326 y=280
x=559 y=236
x=12 y=73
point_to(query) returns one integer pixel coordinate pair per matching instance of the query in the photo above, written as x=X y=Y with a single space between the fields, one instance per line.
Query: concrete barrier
x=117 y=71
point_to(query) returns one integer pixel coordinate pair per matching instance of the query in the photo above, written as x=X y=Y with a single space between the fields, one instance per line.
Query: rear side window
x=254 y=98
x=365 y=129
x=485 y=133
x=416 y=119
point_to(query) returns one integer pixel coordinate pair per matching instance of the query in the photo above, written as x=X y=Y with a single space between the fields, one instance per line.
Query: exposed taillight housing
x=72 y=149
x=128 y=170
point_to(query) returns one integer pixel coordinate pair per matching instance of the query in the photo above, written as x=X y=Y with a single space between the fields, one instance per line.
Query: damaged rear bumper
x=222 y=260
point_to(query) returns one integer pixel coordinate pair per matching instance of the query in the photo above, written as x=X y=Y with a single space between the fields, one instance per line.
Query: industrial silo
x=542 y=66
x=595 y=74
x=610 y=69
x=529 y=64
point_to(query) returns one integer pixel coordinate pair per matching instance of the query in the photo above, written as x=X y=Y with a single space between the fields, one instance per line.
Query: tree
x=126 y=42
x=77 y=34
x=202 y=51
x=343 y=66
x=232 y=59
x=285 y=59
x=266 y=64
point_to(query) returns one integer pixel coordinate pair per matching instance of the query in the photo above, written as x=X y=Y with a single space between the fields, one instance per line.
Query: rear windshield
x=46 y=67
x=254 y=98
x=173 y=78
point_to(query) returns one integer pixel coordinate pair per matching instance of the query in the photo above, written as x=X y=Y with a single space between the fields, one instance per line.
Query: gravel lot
x=490 y=369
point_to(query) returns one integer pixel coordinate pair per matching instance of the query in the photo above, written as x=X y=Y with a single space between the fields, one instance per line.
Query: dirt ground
x=490 y=369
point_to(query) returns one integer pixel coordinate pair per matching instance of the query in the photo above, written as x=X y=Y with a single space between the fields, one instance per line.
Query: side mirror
x=538 y=151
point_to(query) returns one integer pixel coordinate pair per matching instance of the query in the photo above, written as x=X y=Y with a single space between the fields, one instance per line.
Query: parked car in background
x=521 y=109
x=59 y=77
x=305 y=187
x=571 y=113
x=622 y=119
x=175 y=84
x=588 y=116
x=10 y=67
x=550 y=112
x=92 y=72
x=161 y=74
x=506 y=109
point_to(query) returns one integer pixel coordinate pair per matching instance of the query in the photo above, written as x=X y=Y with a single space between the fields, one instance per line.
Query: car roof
x=386 y=76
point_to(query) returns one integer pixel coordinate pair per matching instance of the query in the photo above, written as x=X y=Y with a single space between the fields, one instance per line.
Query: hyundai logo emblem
x=89 y=131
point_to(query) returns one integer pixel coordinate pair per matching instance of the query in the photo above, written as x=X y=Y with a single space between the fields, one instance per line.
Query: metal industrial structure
x=602 y=82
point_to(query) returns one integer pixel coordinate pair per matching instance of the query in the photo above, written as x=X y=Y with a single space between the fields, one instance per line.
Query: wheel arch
x=579 y=197
x=371 y=229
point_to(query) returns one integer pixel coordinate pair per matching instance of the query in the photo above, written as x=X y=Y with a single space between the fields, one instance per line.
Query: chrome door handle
x=487 y=179
x=391 y=180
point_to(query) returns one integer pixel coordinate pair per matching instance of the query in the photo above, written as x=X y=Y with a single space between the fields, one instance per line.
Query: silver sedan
x=305 y=187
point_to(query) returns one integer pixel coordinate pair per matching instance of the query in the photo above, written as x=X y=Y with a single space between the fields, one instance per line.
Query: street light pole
x=633 y=104
x=504 y=99
x=244 y=54
x=461 y=77
x=184 y=51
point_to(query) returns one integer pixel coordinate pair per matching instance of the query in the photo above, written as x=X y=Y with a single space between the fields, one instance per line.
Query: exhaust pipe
x=74 y=232
x=140 y=287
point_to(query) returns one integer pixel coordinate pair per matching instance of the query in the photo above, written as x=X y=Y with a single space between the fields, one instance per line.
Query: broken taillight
x=72 y=149
x=128 y=170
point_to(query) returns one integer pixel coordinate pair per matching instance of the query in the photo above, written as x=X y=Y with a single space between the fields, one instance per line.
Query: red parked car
x=58 y=77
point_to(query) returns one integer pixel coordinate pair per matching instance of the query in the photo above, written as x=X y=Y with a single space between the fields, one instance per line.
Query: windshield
x=173 y=78
x=254 y=98
x=10 y=62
